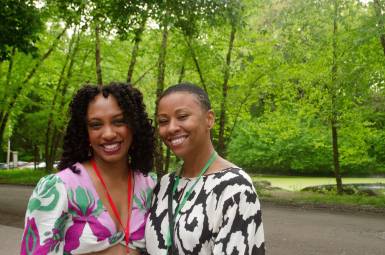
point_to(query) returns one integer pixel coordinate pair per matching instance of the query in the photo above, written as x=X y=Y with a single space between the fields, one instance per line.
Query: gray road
x=295 y=231
x=289 y=231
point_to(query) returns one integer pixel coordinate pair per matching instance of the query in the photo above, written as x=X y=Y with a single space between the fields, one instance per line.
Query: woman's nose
x=109 y=132
x=173 y=126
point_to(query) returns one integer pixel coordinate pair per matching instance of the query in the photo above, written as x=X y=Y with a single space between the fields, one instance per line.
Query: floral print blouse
x=66 y=216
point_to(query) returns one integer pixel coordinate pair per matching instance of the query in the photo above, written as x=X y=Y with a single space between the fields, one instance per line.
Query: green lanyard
x=170 y=234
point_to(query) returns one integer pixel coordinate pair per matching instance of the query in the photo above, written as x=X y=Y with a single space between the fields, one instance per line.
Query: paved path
x=295 y=231
x=13 y=201
x=10 y=240
x=289 y=231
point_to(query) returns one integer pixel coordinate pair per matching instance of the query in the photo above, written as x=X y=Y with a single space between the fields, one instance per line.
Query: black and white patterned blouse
x=221 y=216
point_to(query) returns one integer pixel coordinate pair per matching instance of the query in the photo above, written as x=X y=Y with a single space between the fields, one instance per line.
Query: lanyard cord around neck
x=175 y=182
x=112 y=204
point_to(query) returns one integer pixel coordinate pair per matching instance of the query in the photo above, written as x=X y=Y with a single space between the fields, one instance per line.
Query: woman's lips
x=111 y=148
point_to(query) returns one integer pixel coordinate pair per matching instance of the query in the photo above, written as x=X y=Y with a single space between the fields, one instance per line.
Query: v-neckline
x=97 y=197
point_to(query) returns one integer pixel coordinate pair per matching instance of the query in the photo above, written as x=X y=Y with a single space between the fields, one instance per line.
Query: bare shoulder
x=224 y=163
x=221 y=164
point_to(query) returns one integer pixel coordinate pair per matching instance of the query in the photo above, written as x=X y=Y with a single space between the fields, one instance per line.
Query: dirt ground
x=288 y=230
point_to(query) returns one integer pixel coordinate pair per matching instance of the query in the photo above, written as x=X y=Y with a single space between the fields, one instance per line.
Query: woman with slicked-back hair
x=99 y=200
x=210 y=205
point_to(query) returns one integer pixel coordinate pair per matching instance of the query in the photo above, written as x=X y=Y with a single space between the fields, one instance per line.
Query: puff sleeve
x=46 y=218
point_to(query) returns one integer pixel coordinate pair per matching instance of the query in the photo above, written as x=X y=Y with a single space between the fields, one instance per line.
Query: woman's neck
x=193 y=164
x=112 y=171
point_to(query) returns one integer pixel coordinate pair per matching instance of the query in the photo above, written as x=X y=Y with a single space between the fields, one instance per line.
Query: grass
x=330 y=200
x=21 y=176
x=296 y=183
x=291 y=193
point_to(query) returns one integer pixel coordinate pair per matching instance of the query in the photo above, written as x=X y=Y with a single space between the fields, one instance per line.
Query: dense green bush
x=279 y=143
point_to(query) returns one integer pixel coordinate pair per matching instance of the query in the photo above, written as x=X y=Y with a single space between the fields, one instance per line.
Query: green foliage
x=280 y=76
x=19 y=28
x=299 y=143
x=282 y=143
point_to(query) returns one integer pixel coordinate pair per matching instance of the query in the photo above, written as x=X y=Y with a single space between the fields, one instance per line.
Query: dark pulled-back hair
x=76 y=144
x=189 y=88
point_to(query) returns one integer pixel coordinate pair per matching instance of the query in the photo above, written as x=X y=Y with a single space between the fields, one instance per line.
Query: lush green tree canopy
x=19 y=27
x=285 y=77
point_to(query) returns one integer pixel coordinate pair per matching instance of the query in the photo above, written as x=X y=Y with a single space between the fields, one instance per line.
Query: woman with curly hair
x=99 y=200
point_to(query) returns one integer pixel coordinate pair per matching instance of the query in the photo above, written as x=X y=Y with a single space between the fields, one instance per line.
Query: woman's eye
x=182 y=117
x=120 y=122
x=162 y=121
x=94 y=125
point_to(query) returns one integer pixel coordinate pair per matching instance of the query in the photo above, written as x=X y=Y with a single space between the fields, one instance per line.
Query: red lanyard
x=112 y=204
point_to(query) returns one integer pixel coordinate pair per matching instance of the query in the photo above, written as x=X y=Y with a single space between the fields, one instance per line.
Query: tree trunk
x=196 y=62
x=379 y=9
x=35 y=156
x=144 y=74
x=168 y=152
x=45 y=56
x=10 y=67
x=135 y=49
x=98 y=59
x=4 y=97
x=382 y=39
x=336 y=161
x=8 y=108
x=58 y=132
x=159 y=160
x=222 y=118
x=334 y=120
x=2 y=129
x=55 y=138
x=182 y=71
x=167 y=160
x=52 y=133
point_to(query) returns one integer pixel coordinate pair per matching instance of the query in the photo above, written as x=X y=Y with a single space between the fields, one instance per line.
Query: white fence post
x=9 y=154
x=15 y=159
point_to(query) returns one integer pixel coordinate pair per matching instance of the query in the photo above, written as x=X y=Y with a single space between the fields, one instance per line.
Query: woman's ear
x=210 y=119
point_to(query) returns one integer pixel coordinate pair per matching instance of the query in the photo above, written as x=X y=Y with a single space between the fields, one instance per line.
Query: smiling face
x=108 y=132
x=184 y=125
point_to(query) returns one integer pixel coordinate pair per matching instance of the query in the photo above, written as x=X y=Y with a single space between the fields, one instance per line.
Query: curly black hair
x=76 y=144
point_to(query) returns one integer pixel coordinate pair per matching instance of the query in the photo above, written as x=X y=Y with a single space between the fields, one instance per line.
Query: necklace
x=173 y=214
x=112 y=204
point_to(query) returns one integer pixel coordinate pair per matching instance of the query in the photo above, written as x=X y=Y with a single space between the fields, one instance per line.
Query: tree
x=184 y=16
x=10 y=100
x=234 y=15
x=279 y=75
x=53 y=134
x=20 y=26
x=379 y=7
x=325 y=80
x=333 y=91
x=131 y=17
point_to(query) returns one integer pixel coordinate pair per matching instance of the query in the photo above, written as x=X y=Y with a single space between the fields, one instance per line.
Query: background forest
x=297 y=86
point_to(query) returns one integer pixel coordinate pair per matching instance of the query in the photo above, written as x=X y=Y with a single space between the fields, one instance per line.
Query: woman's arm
x=241 y=229
x=45 y=218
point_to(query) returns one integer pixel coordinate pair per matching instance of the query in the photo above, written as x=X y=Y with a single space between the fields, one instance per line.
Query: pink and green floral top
x=66 y=216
